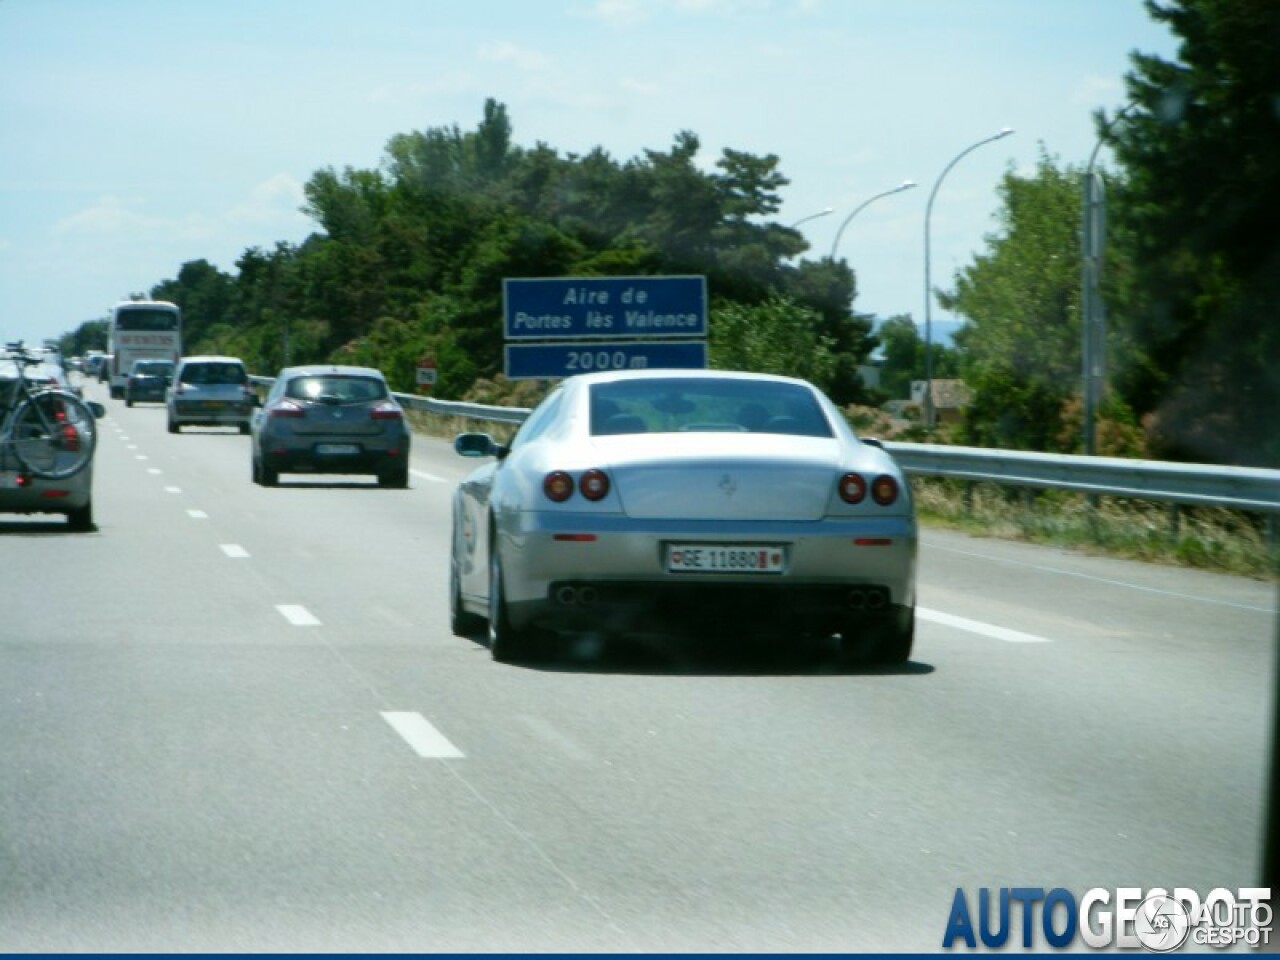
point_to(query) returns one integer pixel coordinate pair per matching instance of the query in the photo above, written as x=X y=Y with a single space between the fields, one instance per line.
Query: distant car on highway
x=26 y=493
x=708 y=500
x=148 y=380
x=331 y=419
x=210 y=391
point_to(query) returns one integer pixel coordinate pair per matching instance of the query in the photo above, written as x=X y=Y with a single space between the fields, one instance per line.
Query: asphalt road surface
x=235 y=719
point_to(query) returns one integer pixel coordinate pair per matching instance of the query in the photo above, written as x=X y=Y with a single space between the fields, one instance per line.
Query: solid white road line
x=425 y=739
x=234 y=551
x=977 y=626
x=297 y=615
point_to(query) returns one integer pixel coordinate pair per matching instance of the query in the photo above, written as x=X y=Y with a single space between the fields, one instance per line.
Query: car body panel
x=696 y=488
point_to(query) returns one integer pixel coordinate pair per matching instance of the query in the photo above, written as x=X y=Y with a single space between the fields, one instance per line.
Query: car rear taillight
x=884 y=490
x=853 y=489
x=386 y=411
x=558 y=486
x=287 y=409
x=594 y=484
x=70 y=438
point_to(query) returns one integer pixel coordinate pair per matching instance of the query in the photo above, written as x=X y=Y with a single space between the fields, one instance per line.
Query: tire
x=173 y=426
x=506 y=643
x=268 y=472
x=53 y=434
x=396 y=479
x=886 y=640
x=244 y=429
x=80 y=520
x=128 y=401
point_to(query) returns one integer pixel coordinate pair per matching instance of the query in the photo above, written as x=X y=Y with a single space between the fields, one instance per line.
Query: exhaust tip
x=566 y=596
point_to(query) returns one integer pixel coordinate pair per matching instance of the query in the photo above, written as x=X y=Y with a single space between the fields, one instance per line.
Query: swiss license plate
x=337 y=449
x=722 y=558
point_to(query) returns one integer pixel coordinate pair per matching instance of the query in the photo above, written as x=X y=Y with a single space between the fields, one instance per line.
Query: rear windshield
x=213 y=373
x=695 y=405
x=154 y=368
x=336 y=388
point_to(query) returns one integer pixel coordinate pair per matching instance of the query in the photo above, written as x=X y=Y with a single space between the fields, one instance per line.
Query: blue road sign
x=550 y=361
x=564 y=308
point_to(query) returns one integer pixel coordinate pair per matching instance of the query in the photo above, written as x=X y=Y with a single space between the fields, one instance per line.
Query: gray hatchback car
x=210 y=391
x=331 y=419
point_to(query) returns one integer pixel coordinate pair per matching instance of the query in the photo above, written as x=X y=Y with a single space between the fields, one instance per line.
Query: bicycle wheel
x=53 y=434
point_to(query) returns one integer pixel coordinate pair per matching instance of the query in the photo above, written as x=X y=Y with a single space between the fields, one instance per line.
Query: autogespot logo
x=1156 y=920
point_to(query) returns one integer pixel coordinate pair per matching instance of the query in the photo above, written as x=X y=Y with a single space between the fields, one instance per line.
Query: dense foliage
x=409 y=259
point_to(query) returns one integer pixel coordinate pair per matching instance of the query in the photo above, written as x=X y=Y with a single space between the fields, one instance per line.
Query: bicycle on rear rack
x=49 y=430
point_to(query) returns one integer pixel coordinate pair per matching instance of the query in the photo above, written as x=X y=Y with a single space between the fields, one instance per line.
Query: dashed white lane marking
x=197 y=515
x=425 y=739
x=297 y=615
x=423 y=475
x=155 y=470
x=977 y=626
x=142 y=456
x=234 y=551
x=172 y=489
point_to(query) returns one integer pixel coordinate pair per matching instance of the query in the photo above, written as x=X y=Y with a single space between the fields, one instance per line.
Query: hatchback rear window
x=333 y=388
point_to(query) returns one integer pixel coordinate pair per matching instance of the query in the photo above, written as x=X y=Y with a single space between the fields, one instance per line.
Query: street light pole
x=928 y=288
x=812 y=216
x=904 y=185
x=1093 y=317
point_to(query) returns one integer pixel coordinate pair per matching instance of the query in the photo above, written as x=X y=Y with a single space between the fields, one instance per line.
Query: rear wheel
x=506 y=643
x=397 y=478
x=81 y=519
x=268 y=472
x=884 y=640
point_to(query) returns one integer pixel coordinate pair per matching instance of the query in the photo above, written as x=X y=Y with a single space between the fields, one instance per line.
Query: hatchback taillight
x=287 y=409
x=386 y=411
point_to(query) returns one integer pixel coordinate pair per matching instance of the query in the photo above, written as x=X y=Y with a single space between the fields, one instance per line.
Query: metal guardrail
x=1193 y=484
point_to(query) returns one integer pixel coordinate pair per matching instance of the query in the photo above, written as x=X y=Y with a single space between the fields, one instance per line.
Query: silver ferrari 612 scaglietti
x=672 y=500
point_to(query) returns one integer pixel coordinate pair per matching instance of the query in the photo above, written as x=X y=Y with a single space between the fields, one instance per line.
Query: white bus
x=142 y=330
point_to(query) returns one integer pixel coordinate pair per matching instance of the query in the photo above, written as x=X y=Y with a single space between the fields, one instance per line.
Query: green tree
x=1201 y=151
x=1020 y=349
x=777 y=336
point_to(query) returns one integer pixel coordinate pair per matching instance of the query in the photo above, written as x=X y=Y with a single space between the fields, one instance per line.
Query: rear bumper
x=37 y=495
x=309 y=461
x=561 y=574
x=200 y=414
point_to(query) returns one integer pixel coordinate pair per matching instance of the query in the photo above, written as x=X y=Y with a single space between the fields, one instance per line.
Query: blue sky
x=138 y=134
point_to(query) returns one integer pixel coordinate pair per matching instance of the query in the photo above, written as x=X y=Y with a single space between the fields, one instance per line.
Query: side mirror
x=478 y=445
x=98 y=410
x=872 y=441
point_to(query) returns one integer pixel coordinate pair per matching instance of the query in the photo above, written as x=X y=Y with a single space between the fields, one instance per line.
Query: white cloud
x=504 y=51
x=272 y=201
